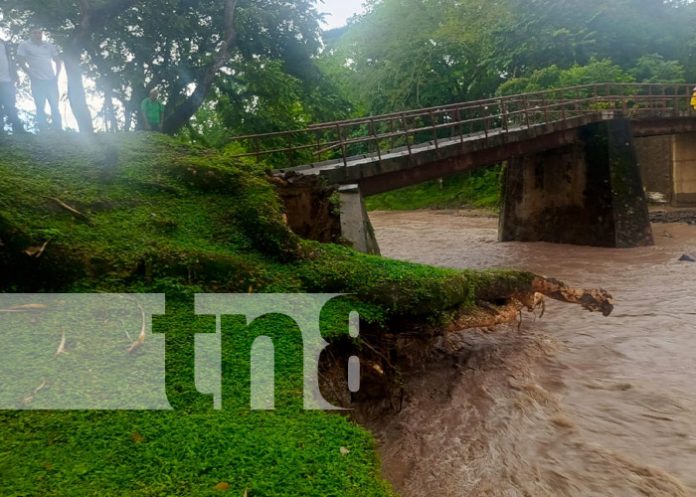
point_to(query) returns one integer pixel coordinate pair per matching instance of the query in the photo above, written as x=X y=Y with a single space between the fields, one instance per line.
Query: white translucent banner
x=81 y=351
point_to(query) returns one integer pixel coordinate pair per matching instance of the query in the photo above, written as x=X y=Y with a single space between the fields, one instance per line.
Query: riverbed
x=568 y=404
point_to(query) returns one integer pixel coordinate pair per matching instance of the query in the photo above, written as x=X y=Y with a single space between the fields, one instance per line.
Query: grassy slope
x=476 y=189
x=162 y=217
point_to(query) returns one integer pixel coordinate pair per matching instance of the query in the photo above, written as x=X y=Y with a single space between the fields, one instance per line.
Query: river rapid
x=571 y=404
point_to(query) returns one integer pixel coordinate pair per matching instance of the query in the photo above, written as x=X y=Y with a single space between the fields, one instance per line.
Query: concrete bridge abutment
x=668 y=167
x=684 y=169
x=585 y=193
x=655 y=159
x=311 y=211
x=356 y=227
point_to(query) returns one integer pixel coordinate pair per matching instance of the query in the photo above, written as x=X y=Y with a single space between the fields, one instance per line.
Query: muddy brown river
x=572 y=404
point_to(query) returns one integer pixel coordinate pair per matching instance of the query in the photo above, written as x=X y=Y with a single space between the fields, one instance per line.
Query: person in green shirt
x=153 y=111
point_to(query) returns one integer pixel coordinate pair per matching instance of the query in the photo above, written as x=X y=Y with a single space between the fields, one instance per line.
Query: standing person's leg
x=8 y=100
x=53 y=96
x=38 y=92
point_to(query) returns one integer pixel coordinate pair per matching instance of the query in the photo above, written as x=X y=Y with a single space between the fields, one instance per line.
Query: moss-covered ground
x=144 y=213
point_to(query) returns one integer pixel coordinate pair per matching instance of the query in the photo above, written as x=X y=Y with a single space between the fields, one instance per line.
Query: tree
x=204 y=44
x=597 y=71
x=74 y=25
x=654 y=68
x=648 y=69
x=540 y=33
x=182 y=46
x=413 y=53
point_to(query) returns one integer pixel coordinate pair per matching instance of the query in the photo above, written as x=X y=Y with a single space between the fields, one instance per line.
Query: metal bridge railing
x=375 y=136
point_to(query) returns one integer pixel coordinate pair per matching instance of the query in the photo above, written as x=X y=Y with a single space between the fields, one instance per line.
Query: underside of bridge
x=588 y=193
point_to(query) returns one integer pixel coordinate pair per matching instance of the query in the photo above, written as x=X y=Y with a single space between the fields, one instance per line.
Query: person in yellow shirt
x=693 y=99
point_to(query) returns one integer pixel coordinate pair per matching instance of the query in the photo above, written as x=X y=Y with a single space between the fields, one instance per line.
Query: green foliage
x=145 y=197
x=418 y=53
x=479 y=189
x=398 y=288
x=655 y=69
x=287 y=452
x=266 y=99
x=415 y=53
x=648 y=69
x=597 y=71
x=541 y=33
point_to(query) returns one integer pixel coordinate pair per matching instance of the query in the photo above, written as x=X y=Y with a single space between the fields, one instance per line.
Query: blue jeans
x=43 y=90
x=8 y=106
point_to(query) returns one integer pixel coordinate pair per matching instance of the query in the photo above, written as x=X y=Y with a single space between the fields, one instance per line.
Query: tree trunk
x=76 y=92
x=90 y=20
x=110 y=121
x=593 y=300
x=184 y=112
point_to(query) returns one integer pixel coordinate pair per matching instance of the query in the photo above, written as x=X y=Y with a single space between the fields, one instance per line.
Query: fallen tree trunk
x=488 y=315
x=528 y=292
x=594 y=300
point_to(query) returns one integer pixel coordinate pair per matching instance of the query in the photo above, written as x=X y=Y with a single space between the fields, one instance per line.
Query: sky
x=339 y=11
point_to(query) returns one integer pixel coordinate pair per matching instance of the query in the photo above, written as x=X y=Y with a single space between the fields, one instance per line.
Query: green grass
x=156 y=216
x=192 y=450
x=478 y=189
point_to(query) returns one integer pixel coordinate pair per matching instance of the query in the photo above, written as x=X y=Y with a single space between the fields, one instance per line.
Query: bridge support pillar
x=656 y=163
x=355 y=223
x=684 y=168
x=588 y=193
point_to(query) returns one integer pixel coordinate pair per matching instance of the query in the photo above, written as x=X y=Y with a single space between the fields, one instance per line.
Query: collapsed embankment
x=143 y=213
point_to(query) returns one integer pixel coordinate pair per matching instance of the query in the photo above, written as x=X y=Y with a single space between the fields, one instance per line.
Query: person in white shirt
x=8 y=91
x=36 y=57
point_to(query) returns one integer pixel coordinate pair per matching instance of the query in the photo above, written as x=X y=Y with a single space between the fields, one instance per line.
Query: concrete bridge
x=574 y=158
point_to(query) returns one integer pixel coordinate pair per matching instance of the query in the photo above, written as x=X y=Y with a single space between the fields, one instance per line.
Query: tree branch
x=186 y=110
x=110 y=9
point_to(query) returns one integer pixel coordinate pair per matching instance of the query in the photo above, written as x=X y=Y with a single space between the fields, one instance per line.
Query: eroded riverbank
x=573 y=404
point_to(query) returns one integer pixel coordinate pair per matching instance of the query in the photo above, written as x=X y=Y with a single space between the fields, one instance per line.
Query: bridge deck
x=448 y=155
x=480 y=133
